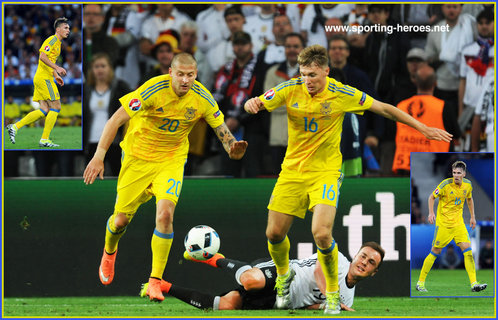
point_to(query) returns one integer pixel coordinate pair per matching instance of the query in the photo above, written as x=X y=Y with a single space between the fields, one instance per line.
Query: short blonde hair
x=183 y=58
x=459 y=164
x=315 y=54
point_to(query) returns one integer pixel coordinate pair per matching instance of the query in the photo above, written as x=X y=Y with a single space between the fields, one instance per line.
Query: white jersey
x=304 y=290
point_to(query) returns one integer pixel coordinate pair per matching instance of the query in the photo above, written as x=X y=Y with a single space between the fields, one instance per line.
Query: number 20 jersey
x=161 y=120
x=315 y=123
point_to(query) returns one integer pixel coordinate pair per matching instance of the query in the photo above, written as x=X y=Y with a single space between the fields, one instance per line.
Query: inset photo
x=43 y=77
x=452 y=224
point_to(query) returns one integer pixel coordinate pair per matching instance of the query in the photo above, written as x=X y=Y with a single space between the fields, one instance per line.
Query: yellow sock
x=428 y=262
x=30 y=118
x=470 y=265
x=112 y=235
x=50 y=122
x=329 y=261
x=279 y=252
x=160 y=244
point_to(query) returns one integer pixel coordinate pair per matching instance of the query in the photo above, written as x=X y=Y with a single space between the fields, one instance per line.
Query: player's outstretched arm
x=235 y=149
x=253 y=105
x=44 y=58
x=393 y=113
x=96 y=166
x=432 y=216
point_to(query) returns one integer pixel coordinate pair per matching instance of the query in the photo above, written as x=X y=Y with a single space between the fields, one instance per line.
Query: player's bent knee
x=253 y=279
x=164 y=218
x=322 y=237
x=121 y=220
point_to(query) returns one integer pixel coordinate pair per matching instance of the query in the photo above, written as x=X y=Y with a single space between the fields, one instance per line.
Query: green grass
x=452 y=283
x=28 y=138
x=140 y=307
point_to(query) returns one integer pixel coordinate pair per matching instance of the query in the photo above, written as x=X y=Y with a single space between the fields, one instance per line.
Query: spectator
x=294 y=44
x=275 y=52
x=235 y=83
x=260 y=27
x=476 y=68
x=450 y=259
x=486 y=255
x=165 y=18
x=222 y=53
x=163 y=51
x=420 y=14
x=483 y=124
x=95 y=38
x=123 y=24
x=188 y=40
x=212 y=27
x=101 y=94
x=406 y=87
x=444 y=49
x=314 y=17
x=429 y=110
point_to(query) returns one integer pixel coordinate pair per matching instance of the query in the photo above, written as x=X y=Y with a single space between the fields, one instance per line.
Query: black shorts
x=264 y=298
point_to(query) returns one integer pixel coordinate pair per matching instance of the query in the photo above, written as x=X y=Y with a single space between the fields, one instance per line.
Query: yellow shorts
x=443 y=235
x=139 y=180
x=45 y=89
x=294 y=192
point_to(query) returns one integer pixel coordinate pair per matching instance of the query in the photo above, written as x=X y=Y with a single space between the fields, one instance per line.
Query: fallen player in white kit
x=257 y=281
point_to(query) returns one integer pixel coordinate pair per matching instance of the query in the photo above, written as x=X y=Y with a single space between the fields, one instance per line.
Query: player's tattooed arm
x=234 y=148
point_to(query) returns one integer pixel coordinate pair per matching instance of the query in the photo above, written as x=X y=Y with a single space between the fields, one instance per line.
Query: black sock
x=231 y=266
x=195 y=298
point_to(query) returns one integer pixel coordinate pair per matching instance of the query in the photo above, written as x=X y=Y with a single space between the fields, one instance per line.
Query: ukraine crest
x=190 y=114
x=326 y=109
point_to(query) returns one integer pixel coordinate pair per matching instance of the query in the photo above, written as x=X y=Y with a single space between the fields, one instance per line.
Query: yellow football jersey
x=52 y=48
x=315 y=123
x=161 y=120
x=451 y=200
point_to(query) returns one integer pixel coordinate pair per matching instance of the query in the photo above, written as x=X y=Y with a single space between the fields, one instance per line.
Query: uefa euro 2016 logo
x=269 y=94
x=135 y=105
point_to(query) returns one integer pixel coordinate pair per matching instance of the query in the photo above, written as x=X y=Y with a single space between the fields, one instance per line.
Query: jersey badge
x=464 y=192
x=270 y=94
x=326 y=109
x=436 y=191
x=362 y=99
x=135 y=105
x=47 y=48
x=217 y=114
x=190 y=114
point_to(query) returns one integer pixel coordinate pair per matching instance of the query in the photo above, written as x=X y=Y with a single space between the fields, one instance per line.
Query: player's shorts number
x=458 y=201
x=312 y=126
x=330 y=193
x=174 y=185
x=171 y=125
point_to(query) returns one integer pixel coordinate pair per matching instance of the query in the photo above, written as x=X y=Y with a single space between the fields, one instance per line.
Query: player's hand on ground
x=253 y=105
x=61 y=71
x=432 y=133
x=472 y=223
x=346 y=308
x=432 y=218
x=237 y=150
x=59 y=81
x=94 y=168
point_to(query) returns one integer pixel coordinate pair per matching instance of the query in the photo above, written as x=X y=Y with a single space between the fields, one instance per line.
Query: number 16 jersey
x=315 y=123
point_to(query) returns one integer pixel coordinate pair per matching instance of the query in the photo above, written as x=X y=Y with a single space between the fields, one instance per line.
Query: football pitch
x=69 y=138
x=452 y=283
x=103 y=307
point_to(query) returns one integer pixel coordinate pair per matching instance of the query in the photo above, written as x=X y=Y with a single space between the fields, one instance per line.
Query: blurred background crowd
x=244 y=50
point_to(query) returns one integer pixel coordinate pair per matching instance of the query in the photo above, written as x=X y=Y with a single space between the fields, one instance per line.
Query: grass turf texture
x=141 y=307
x=452 y=283
x=28 y=138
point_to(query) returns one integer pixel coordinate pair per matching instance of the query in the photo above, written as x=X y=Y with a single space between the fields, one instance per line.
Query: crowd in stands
x=243 y=50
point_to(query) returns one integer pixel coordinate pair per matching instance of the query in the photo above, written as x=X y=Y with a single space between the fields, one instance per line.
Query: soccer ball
x=202 y=242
